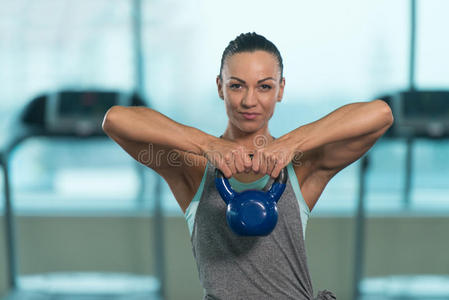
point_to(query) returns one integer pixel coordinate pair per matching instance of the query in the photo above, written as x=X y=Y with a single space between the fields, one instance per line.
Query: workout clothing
x=255 y=267
x=258 y=185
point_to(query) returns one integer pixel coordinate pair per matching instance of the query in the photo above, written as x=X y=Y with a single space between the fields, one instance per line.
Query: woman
x=250 y=83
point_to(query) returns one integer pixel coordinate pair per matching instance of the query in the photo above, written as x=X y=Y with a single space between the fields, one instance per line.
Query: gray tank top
x=241 y=267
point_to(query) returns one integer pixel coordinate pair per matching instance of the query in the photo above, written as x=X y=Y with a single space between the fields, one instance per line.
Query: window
x=333 y=54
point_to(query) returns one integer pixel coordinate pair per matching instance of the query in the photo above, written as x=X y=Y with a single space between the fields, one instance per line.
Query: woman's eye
x=265 y=87
x=235 y=86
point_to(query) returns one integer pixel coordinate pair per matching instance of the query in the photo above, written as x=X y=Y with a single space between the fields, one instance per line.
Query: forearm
x=145 y=125
x=349 y=121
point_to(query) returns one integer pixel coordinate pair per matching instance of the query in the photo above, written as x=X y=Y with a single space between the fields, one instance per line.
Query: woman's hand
x=272 y=158
x=228 y=156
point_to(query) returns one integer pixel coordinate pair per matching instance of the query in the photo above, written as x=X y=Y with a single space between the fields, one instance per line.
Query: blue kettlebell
x=251 y=212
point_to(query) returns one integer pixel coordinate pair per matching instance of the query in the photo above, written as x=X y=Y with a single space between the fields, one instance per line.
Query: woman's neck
x=251 y=141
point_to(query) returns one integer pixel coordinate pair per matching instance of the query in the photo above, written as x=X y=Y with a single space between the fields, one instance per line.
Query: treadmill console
x=80 y=112
x=419 y=114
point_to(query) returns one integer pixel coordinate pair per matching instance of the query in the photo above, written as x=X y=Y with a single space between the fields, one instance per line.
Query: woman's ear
x=281 y=89
x=220 y=87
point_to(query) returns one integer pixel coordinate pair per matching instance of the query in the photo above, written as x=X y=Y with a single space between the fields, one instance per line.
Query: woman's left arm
x=341 y=137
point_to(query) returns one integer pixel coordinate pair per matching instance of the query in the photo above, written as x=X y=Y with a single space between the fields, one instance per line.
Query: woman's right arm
x=152 y=138
x=165 y=145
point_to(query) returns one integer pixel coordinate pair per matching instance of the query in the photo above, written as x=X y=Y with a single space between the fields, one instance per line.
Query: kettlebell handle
x=228 y=194
x=282 y=177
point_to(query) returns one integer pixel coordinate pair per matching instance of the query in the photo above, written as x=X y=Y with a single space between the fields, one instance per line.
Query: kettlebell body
x=251 y=212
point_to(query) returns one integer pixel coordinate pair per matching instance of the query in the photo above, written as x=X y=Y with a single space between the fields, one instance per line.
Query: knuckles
x=236 y=159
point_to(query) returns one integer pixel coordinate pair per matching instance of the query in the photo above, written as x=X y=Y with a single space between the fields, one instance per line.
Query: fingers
x=226 y=171
x=277 y=168
x=272 y=160
x=268 y=163
x=282 y=159
x=247 y=162
x=219 y=162
x=261 y=162
x=233 y=159
x=256 y=162
x=229 y=162
x=238 y=160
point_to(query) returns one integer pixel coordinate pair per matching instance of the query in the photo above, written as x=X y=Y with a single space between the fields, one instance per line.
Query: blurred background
x=83 y=204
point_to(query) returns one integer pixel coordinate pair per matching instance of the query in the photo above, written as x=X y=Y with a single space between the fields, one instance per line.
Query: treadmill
x=418 y=114
x=75 y=114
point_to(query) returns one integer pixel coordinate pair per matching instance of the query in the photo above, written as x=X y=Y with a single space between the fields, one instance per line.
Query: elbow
x=110 y=117
x=386 y=112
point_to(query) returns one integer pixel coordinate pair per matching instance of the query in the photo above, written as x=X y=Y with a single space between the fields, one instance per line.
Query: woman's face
x=251 y=83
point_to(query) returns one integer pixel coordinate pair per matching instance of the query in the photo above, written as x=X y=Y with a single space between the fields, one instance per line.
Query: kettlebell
x=251 y=212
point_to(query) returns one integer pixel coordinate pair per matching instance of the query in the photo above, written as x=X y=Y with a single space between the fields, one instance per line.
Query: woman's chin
x=249 y=128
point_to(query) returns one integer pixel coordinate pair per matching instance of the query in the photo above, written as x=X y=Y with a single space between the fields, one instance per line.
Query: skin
x=250 y=82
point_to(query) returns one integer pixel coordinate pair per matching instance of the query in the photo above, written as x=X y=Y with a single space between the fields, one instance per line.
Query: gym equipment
x=417 y=114
x=251 y=212
x=76 y=115
x=413 y=122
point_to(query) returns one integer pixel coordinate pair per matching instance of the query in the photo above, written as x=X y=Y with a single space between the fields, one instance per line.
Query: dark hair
x=250 y=42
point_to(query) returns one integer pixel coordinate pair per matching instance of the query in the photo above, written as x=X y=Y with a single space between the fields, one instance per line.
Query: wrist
x=204 y=142
x=296 y=140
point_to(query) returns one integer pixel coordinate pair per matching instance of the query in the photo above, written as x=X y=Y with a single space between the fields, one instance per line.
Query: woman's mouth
x=249 y=116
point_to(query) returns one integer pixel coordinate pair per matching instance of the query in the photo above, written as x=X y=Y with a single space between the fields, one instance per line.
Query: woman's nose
x=250 y=98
